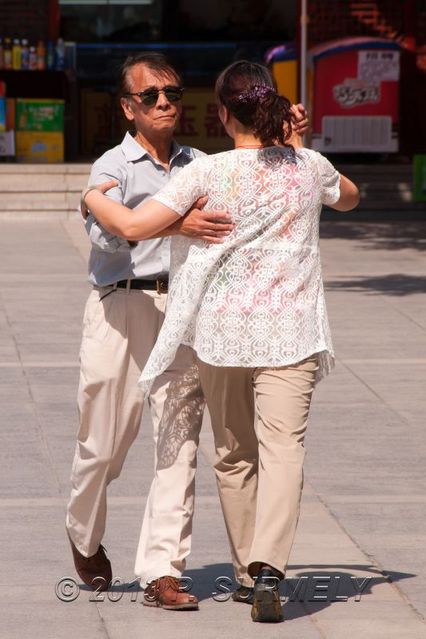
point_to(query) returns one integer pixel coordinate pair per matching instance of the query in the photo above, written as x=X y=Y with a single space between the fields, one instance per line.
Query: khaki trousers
x=120 y=328
x=259 y=471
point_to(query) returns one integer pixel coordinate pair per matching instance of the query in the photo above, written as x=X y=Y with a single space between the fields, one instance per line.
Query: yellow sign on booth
x=200 y=125
x=103 y=124
x=285 y=74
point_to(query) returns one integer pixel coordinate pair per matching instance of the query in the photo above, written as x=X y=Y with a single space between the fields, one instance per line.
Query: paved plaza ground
x=362 y=531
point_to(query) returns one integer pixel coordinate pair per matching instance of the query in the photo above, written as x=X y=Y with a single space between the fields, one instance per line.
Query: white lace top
x=256 y=300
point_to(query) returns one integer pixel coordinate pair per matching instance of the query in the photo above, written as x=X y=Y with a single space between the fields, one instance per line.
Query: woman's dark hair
x=248 y=91
x=156 y=62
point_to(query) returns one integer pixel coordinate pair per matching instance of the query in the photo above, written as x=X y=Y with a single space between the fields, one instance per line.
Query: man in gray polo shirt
x=122 y=318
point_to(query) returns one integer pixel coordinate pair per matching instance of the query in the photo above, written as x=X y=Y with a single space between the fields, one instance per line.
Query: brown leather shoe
x=94 y=571
x=165 y=593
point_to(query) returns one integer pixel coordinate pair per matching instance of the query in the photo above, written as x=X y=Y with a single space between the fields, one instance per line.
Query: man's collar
x=134 y=151
x=177 y=149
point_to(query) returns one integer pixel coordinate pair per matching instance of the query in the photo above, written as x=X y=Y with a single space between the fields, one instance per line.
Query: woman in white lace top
x=253 y=309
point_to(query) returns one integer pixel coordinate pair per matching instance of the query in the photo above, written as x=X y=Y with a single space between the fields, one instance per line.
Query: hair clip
x=255 y=92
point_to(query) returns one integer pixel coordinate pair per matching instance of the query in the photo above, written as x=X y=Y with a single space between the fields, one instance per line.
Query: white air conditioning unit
x=356 y=134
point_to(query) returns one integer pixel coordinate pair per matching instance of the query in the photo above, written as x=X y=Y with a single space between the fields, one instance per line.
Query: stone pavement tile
x=322 y=550
x=8 y=351
x=52 y=354
x=370 y=247
x=412 y=307
x=369 y=620
x=214 y=620
x=47 y=332
x=40 y=247
x=53 y=385
x=25 y=471
x=34 y=611
x=43 y=305
x=371 y=451
x=398 y=543
x=400 y=384
x=13 y=385
x=25 y=467
x=321 y=553
x=373 y=330
x=34 y=550
x=342 y=387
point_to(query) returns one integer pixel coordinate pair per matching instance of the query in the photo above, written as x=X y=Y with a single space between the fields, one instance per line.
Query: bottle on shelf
x=7 y=53
x=25 y=54
x=60 y=55
x=50 y=60
x=32 y=59
x=16 y=55
x=41 y=56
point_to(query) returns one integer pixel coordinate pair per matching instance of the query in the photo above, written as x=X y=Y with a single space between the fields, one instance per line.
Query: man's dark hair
x=156 y=62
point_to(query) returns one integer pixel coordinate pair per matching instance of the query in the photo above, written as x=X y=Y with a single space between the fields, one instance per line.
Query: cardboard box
x=10 y=114
x=32 y=146
x=39 y=115
x=7 y=144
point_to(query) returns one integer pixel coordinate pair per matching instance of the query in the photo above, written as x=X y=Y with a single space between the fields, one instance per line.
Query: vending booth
x=283 y=62
x=354 y=95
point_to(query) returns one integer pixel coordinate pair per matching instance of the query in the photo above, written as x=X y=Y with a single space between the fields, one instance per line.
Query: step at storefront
x=54 y=190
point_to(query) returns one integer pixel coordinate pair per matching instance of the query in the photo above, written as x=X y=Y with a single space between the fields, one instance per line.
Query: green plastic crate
x=39 y=115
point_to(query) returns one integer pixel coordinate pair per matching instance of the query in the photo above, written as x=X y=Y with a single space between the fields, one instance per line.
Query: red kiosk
x=354 y=91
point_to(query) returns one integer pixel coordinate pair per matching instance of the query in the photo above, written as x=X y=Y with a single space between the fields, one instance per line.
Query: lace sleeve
x=185 y=187
x=329 y=180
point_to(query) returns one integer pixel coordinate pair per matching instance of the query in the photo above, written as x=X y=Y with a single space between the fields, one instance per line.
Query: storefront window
x=110 y=20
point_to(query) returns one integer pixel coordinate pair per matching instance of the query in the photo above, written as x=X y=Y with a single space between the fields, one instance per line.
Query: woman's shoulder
x=307 y=154
x=310 y=155
x=213 y=162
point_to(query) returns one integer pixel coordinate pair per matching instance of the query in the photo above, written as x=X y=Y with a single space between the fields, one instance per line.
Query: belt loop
x=128 y=285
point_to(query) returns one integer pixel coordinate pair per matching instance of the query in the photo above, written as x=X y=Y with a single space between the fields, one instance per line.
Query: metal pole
x=303 y=49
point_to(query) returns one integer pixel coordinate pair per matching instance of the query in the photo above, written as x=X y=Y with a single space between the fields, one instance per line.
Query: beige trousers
x=259 y=469
x=120 y=328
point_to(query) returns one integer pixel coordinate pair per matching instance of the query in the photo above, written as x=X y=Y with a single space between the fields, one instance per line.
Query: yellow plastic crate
x=39 y=146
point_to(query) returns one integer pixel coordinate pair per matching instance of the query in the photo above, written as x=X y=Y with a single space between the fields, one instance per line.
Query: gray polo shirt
x=140 y=176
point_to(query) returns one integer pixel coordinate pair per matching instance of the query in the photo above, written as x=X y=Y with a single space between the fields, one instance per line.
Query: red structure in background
x=398 y=20
x=355 y=95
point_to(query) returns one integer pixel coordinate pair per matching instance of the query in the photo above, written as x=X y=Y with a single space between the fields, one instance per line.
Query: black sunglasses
x=149 y=97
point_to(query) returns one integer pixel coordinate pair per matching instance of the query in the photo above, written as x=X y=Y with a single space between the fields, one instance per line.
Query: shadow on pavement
x=395 y=284
x=315 y=590
x=377 y=230
x=312 y=588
